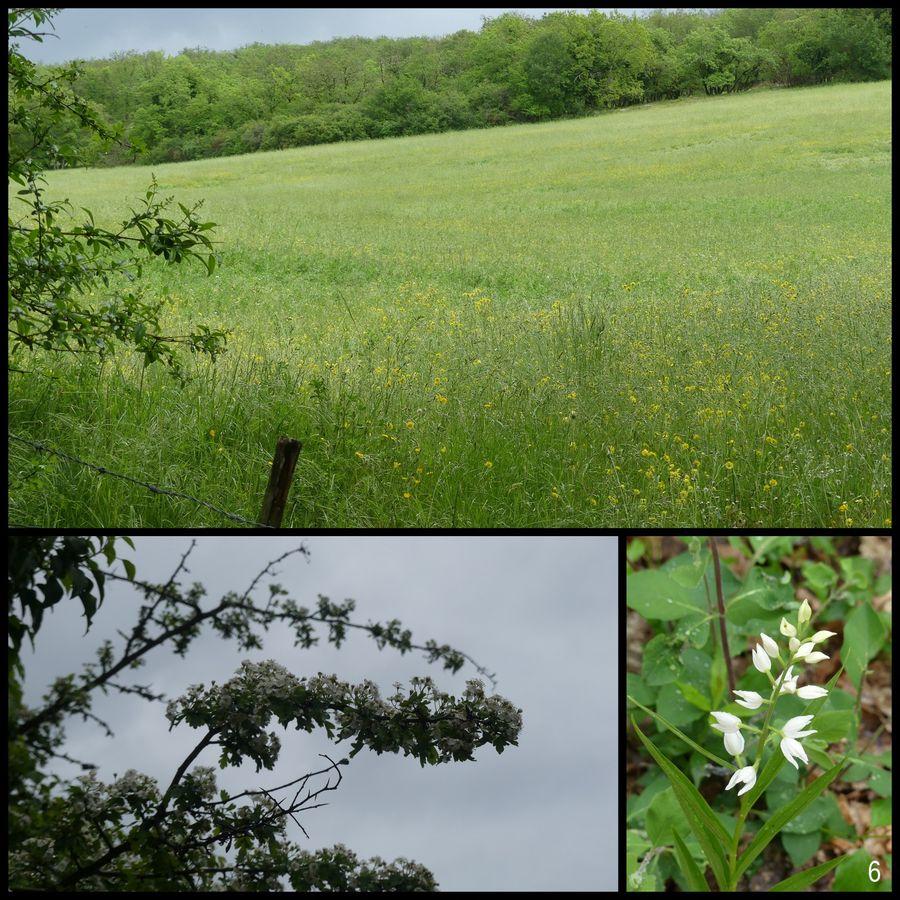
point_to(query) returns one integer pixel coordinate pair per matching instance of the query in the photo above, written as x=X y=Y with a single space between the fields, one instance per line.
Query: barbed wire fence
x=286 y=454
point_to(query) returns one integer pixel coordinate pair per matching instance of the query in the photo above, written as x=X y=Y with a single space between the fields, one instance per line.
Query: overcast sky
x=97 y=33
x=538 y=611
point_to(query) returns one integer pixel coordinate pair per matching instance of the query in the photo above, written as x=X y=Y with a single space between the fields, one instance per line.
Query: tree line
x=201 y=103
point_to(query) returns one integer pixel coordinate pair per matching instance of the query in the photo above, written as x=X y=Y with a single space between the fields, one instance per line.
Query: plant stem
x=721 y=600
x=744 y=812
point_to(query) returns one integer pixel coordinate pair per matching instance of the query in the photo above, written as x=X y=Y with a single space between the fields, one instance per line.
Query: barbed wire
x=153 y=488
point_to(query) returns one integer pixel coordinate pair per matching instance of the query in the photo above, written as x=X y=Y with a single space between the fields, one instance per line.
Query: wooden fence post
x=286 y=452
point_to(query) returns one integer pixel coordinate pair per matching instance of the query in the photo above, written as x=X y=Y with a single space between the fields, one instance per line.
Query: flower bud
x=761 y=659
x=803 y=651
x=769 y=645
x=749 y=699
x=817 y=657
x=811 y=692
x=805 y=613
x=820 y=636
x=793 y=643
x=786 y=628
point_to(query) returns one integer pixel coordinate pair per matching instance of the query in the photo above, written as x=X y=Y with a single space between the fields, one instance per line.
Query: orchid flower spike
x=730 y=726
x=747 y=775
x=749 y=699
x=790 y=739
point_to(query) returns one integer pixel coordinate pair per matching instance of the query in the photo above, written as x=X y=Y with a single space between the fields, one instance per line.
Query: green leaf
x=662 y=816
x=804 y=879
x=690 y=870
x=760 y=594
x=660 y=664
x=635 y=686
x=832 y=725
x=819 y=578
x=881 y=812
x=672 y=704
x=864 y=634
x=130 y=570
x=716 y=759
x=781 y=816
x=635 y=550
x=708 y=830
x=655 y=595
x=693 y=696
x=812 y=818
x=801 y=847
x=858 y=572
x=853 y=874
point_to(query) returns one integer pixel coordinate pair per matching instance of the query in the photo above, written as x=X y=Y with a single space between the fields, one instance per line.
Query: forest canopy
x=202 y=103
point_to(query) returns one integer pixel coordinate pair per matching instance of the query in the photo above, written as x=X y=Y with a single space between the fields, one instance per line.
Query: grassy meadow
x=670 y=315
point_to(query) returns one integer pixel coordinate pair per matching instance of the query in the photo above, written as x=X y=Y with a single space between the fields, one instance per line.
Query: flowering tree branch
x=130 y=835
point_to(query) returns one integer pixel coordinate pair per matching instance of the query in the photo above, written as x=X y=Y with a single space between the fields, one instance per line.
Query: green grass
x=675 y=315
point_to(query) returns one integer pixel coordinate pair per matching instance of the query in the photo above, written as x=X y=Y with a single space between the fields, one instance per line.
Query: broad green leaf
x=657 y=596
x=130 y=570
x=819 y=578
x=853 y=874
x=759 y=595
x=663 y=814
x=716 y=759
x=812 y=818
x=706 y=827
x=804 y=879
x=858 y=572
x=638 y=804
x=690 y=870
x=832 y=725
x=672 y=704
x=801 y=847
x=661 y=664
x=881 y=813
x=635 y=685
x=693 y=696
x=781 y=816
x=635 y=550
x=864 y=634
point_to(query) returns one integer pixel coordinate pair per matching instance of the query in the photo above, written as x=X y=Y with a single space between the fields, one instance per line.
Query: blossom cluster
x=422 y=721
x=799 y=651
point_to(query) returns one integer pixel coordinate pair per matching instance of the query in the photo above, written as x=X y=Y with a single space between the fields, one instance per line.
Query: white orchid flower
x=793 y=644
x=730 y=726
x=749 y=699
x=803 y=650
x=820 y=636
x=791 y=733
x=761 y=659
x=747 y=775
x=770 y=646
x=817 y=657
x=811 y=692
x=789 y=682
x=786 y=628
x=805 y=613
